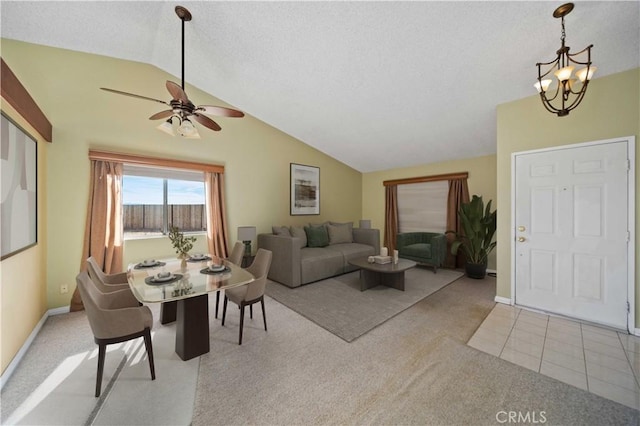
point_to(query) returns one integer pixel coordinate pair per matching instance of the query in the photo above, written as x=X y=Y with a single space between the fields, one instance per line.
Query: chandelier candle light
x=568 y=93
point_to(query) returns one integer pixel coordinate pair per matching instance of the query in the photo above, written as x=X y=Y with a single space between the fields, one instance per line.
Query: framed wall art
x=305 y=190
x=18 y=196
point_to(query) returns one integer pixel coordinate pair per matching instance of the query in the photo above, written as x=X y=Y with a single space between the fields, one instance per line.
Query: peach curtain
x=391 y=217
x=458 y=194
x=103 y=237
x=216 y=215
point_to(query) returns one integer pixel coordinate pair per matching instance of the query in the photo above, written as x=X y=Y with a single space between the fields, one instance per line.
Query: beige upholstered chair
x=106 y=282
x=236 y=258
x=236 y=254
x=114 y=320
x=253 y=292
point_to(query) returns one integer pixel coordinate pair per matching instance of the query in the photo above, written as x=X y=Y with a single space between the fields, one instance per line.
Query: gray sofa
x=295 y=263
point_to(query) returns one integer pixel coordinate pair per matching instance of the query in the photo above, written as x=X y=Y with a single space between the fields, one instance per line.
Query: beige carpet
x=337 y=304
x=412 y=369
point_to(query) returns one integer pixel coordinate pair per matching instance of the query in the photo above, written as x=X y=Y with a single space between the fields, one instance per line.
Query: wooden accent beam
x=17 y=96
x=433 y=178
x=154 y=161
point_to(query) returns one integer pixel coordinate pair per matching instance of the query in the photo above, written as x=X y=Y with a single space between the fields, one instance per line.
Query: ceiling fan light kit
x=182 y=109
x=568 y=92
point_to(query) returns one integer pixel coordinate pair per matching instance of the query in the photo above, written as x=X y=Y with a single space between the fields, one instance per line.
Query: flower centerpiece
x=180 y=243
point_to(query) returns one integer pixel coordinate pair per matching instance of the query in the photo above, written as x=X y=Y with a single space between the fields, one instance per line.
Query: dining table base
x=192 y=327
x=168 y=312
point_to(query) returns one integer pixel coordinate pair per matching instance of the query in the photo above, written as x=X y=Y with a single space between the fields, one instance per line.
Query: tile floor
x=599 y=360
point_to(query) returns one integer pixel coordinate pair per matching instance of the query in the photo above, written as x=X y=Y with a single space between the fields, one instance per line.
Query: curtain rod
x=154 y=161
x=432 y=178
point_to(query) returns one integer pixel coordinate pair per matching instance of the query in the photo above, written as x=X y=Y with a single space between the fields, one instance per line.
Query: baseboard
x=6 y=375
x=637 y=332
x=60 y=310
x=503 y=300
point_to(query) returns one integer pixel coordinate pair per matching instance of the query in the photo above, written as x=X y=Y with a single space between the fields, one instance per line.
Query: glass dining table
x=183 y=287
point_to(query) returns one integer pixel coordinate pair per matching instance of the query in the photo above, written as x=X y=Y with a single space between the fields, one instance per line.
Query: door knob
x=521 y=239
x=521 y=228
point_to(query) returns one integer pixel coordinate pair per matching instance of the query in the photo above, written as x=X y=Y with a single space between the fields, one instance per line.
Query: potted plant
x=476 y=239
x=180 y=243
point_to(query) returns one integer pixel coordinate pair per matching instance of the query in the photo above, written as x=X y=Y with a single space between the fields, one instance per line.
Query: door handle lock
x=521 y=228
x=521 y=239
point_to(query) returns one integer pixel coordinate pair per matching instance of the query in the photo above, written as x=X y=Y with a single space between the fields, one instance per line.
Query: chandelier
x=568 y=92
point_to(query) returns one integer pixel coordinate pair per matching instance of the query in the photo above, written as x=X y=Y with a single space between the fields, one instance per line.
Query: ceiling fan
x=182 y=108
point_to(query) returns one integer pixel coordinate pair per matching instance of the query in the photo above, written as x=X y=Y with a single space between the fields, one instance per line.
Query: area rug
x=337 y=304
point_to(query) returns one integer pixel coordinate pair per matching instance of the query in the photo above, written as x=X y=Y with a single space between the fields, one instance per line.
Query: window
x=422 y=207
x=155 y=199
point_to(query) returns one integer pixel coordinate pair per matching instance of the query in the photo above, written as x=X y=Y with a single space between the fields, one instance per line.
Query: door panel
x=571 y=232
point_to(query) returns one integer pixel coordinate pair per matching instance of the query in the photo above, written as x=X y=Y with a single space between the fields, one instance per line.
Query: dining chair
x=236 y=254
x=236 y=258
x=251 y=293
x=106 y=282
x=113 y=320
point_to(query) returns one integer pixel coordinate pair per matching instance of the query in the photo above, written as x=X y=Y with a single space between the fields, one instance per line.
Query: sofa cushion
x=298 y=232
x=339 y=234
x=351 y=251
x=317 y=236
x=319 y=263
x=417 y=250
x=281 y=230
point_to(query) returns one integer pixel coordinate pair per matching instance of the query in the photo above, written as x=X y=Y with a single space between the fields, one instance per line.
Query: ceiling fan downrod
x=184 y=15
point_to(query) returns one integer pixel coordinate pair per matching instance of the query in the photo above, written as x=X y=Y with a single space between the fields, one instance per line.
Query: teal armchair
x=429 y=248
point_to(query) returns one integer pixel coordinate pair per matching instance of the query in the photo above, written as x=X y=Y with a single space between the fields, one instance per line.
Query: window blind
x=422 y=207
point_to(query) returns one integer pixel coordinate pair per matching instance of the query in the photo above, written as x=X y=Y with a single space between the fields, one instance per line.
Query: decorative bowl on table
x=216 y=268
x=163 y=276
x=199 y=256
x=149 y=262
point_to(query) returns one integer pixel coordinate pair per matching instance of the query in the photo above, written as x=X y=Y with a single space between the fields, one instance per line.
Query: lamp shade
x=246 y=233
x=365 y=224
x=167 y=127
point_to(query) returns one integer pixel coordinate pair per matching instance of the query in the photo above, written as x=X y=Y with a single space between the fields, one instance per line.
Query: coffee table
x=389 y=274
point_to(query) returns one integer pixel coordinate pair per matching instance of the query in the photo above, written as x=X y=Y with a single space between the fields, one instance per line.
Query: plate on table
x=215 y=269
x=149 y=263
x=162 y=279
x=199 y=257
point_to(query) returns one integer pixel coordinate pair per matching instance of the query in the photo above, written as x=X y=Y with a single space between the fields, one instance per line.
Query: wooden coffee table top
x=387 y=268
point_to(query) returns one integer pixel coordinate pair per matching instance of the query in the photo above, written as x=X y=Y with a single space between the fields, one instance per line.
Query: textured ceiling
x=376 y=85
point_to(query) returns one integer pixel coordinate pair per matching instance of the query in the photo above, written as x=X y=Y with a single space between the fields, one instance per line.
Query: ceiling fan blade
x=220 y=111
x=161 y=115
x=119 y=92
x=177 y=92
x=207 y=122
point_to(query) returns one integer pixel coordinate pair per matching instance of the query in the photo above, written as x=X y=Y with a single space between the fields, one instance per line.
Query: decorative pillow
x=317 y=236
x=318 y=225
x=349 y=224
x=281 y=230
x=298 y=232
x=339 y=234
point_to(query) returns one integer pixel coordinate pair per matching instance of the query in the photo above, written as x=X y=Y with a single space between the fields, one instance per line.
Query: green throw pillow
x=316 y=236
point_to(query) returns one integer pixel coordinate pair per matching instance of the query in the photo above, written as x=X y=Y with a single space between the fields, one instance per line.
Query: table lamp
x=246 y=234
x=365 y=224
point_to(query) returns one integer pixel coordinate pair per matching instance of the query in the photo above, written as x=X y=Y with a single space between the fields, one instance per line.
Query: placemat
x=208 y=271
x=150 y=281
x=141 y=266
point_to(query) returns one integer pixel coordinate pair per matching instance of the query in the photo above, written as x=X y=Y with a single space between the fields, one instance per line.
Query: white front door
x=571 y=236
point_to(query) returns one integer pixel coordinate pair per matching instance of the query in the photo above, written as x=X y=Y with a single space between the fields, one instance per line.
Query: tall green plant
x=479 y=227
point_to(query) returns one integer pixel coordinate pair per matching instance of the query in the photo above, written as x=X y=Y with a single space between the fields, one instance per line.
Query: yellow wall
x=256 y=156
x=610 y=109
x=23 y=290
x=482 y=181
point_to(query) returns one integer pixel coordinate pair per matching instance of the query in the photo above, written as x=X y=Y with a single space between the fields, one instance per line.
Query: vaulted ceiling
x=376 y=85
